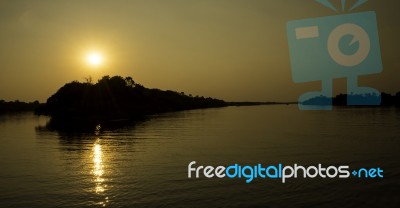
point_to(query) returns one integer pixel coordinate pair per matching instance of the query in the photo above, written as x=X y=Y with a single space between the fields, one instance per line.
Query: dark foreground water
x=145 y=165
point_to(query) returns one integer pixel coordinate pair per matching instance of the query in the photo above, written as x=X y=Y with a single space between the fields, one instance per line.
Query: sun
x=94 y=59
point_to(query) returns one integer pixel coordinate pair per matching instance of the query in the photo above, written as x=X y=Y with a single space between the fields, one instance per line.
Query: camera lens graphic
x=359 y=35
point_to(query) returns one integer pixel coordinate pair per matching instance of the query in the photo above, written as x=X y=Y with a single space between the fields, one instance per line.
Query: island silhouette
x=114 y=100
x=118 y=98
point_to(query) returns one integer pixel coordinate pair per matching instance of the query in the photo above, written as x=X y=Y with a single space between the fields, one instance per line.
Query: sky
x=234 y=50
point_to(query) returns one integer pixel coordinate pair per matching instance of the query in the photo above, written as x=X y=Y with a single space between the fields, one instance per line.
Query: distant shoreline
x=258 y=103
x=17 y=106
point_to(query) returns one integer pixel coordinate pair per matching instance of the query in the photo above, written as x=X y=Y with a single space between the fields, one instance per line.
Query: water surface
x=145 y=164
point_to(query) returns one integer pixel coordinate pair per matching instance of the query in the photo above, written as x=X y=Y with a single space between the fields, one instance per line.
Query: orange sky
x=235 y=50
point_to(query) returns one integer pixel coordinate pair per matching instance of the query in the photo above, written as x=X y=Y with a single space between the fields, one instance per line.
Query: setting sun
x=94 y=59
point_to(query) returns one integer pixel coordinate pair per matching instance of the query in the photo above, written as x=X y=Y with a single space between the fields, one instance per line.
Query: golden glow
x=94 y=59
x=98 y=163
x=98 y=171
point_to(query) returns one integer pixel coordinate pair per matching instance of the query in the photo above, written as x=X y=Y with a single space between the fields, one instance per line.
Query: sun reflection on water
x=98 y=171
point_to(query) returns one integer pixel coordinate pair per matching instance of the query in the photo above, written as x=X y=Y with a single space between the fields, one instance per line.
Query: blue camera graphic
x=340 y=46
